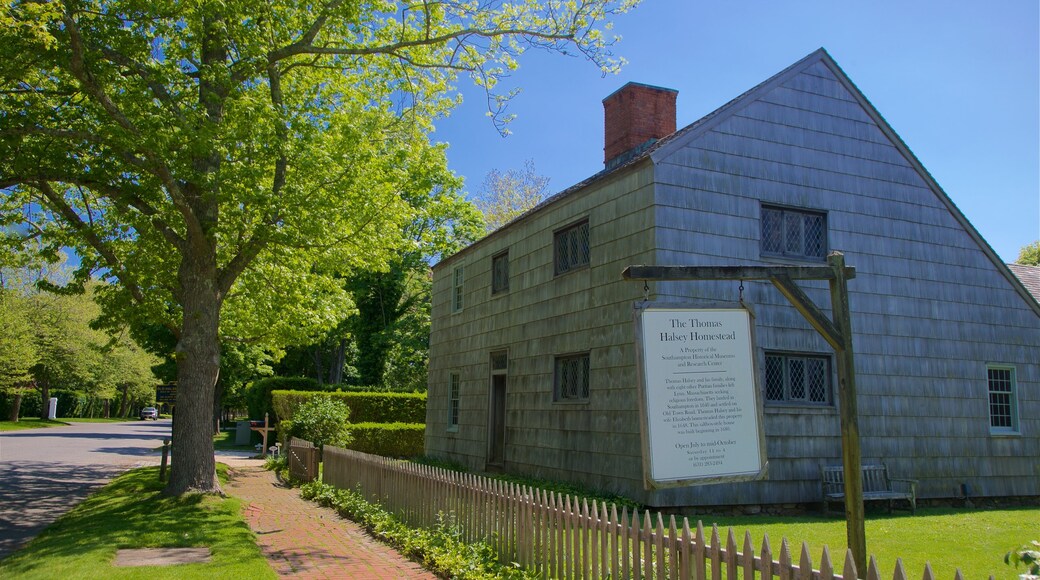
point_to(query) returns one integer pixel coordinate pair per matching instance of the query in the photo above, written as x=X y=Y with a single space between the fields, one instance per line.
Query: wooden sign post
x=837 y=333
x=263 y=430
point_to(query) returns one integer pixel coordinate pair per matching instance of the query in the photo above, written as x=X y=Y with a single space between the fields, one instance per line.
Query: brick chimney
x=635 y=117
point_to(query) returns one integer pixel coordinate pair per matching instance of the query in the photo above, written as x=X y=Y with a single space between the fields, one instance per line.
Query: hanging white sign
x=701 y=416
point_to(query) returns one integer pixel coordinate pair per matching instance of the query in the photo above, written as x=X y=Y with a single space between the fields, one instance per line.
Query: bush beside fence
x=564 y=537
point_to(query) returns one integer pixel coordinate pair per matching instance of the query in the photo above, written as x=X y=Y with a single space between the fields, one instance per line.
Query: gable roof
x=681 y=138
x=672 y=143
x=1030 y=277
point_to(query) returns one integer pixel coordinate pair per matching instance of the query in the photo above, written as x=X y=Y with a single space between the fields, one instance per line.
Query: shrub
x=1029 y=555
x=402 y=440
x=322 y=421
x=440 y=549
x=258 y=395
x=364 y=407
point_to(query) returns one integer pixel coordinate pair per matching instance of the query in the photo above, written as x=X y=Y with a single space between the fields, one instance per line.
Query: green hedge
x=364 y=407
x=71 y=404
x=258 y=394
x=404 y=440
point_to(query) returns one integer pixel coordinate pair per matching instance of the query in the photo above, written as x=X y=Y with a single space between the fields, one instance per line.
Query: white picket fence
x=561 y=536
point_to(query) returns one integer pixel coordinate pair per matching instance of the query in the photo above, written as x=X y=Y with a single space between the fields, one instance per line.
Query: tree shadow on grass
x=131 y=512
x=33 y=495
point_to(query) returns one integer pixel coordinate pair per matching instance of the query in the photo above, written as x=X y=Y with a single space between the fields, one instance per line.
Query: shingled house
x=532 y=347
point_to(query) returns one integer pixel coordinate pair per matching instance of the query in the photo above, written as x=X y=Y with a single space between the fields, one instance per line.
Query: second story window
x=500 y=273
x=793 y=233
x=458 y=276
x=571 y=248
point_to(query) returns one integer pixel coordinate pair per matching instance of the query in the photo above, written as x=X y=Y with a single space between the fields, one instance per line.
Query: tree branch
x=158 y=89
x=394 y=48
x=88 y=82
x=62 y=208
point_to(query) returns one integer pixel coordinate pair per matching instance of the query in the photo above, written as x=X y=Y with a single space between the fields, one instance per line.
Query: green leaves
x=235 y=159
x=18 y=351
x=322 y=421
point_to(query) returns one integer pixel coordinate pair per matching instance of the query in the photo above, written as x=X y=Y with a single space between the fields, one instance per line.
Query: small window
x=454 y=382
x=1003 y=399
x=803 y=380
x=792 y=233
x=572 y=378
x=500 y=273
x=499 y=361
x=457 y=278
x=571 y=248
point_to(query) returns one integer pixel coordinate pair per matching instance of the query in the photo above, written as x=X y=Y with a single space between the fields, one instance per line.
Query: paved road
x=44 y=472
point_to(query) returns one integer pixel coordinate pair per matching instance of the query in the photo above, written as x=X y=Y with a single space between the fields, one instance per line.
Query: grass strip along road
x=130 y=512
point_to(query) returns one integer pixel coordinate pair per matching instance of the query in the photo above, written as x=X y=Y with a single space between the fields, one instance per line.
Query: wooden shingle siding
x=542 y=316
x=928 y=305
x=930 y=308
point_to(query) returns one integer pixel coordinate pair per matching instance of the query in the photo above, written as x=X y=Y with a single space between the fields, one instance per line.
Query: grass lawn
x=131 y=513
x=226 y=440
x=37 y=423
x=29 y=423
x=973 y=540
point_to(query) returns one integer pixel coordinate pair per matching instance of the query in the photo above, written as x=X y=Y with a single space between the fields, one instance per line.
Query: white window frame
x=458 y=280
x=454 y=400
x=1004 y=399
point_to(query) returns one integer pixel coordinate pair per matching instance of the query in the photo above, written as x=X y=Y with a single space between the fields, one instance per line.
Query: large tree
x=220 y=162
x=17 y=348
x=126 y=372
x=504 y=196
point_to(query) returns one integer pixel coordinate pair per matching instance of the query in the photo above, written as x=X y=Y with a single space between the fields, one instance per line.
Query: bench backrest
x=875 y=478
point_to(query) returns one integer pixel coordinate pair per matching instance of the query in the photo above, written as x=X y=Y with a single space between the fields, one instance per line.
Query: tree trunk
x=106 y=406
x=16 y=406
x=124 y=401
x=193 y=468
x=218 y=398
x=319 y=368
x=339 y=358
x=45 y=396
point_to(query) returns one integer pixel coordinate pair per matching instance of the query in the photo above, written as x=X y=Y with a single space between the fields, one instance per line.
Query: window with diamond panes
x=1003 y=403
x=457 y=278
x=798 y=379
x=571 y=248
x=572 y=378
x=454 y=384
x=792 y=233
x=500 y=273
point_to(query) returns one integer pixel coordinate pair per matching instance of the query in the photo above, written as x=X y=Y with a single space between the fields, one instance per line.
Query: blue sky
x=959 y=81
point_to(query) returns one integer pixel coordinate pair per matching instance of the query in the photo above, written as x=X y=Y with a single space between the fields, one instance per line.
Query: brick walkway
x=303 y=540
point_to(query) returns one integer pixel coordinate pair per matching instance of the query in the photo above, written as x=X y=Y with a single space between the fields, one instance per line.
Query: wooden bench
x=877 y=485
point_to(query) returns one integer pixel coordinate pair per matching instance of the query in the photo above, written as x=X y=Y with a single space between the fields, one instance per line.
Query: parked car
x=149 y=413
